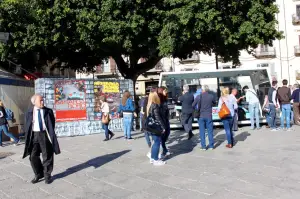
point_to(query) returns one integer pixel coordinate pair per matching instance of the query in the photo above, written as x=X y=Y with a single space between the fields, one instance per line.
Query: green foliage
x=83 y=32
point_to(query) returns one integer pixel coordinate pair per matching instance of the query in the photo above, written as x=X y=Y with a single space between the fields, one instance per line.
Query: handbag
x=196 y=113
x=224 y=111
x=152 y=125
x=105 y=119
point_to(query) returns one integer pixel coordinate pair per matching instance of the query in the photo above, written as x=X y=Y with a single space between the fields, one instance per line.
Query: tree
x=81 y=33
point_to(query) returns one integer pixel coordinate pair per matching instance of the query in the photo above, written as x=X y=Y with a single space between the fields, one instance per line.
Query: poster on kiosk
x=70 y=103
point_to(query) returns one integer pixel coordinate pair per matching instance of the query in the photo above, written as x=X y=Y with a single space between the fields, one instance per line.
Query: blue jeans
x=5 y=130
x=141 y=121
x=164 y=138
x=228 y=122
x=155 y=146
x=206 y=123
x=127 y=124
x=268 y=119
x=254 y=113
x=106 y=130
x=272 y=116
x=286 y=115
x=147 y=137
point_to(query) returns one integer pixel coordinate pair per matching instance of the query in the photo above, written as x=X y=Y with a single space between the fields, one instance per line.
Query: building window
x=298 y=11
x=264 y=48
x=106 y=67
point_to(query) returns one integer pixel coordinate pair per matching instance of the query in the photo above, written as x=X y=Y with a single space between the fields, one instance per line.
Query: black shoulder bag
x=152 y=125
x=196 y=113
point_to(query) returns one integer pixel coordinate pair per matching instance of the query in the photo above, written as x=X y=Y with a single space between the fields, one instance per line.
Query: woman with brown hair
x=163 y=96
x=127 y=108
x=105 y=114
x=154 y=109
x=3 y=125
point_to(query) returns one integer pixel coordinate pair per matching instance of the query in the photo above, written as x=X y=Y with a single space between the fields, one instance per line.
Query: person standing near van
x=296 y=104
x=273 y=105
x=187 y=109
x=253 y=100
x=284 y=98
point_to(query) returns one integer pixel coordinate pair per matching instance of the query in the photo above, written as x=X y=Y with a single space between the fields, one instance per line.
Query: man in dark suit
x=40 y=138
x=187 y=110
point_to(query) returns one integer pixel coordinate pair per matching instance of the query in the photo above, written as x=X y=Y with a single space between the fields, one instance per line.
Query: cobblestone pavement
x=263 y=164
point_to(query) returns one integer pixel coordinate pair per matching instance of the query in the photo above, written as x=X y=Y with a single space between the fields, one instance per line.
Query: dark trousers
x=41 y=144
x=235 y=126
x=187 y=121
x=106 y=131
x=164 y=138
x=296 y=110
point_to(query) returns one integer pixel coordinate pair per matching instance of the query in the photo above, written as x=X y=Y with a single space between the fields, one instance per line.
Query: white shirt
x=35 y=121
x=251 y=97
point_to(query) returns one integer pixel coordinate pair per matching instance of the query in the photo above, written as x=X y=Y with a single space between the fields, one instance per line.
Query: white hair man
x=187 y=110
x=40 y=138
x=204 y=104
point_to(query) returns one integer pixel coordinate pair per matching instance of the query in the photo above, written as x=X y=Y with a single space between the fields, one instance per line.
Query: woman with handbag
x=163 y=96
x=126 y=109
x=226 y=107
x=156 y=126
x=105 y=118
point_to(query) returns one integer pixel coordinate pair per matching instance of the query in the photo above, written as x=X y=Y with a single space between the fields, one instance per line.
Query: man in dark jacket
x=284 y=98
x=40 y=137
x=187 y=110
x=296 y=104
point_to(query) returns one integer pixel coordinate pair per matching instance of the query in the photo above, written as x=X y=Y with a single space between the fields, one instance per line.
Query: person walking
x=4 y=125
x=163 y=96
x=204 y=104
x=253 y=100
x=154 y=109
x=296 y=104
x=40 y=137
x=231 y=104
x=273 y=104
x=284 y=98
x=187 y=109
x=105 y=114
x=126 y=108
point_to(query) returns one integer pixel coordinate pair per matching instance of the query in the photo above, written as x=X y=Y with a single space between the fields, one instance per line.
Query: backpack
x=9 y=114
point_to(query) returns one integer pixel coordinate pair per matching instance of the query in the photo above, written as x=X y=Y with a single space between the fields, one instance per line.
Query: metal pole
x=286 y=43
x=280 y=57
x=218 y=80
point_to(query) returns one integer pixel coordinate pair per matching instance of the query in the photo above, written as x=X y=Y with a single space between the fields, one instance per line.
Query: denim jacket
x=128 y=106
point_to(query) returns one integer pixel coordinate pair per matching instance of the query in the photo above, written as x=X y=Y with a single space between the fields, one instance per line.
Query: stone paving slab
x=262 y=165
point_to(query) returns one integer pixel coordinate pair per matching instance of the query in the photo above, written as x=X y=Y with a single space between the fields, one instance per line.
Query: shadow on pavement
x=95 y=162
x=238 y=138
x=132 y=134
x=5 y=154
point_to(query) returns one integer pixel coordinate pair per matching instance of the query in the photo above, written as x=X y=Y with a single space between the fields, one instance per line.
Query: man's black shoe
x=36 y=179
x=190 y=135
x=48 y=180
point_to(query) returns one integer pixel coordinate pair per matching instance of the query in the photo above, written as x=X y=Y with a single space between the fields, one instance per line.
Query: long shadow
x=238 y=138
x=132 y=134
x=5 y=154
x=95 y=162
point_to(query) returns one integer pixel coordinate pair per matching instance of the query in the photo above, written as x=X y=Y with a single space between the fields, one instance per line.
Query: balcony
x=295 y=19
x=297 y=51
x=265 y=52
x=195 y=58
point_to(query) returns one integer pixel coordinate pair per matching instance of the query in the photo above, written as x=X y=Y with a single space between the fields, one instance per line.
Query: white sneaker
x=159 y=163
x=151 y=161
x=289 y=129
x=274 y=129
x=149 y=155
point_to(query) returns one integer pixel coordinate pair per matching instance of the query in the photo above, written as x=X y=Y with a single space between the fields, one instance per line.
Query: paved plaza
x=263 y=164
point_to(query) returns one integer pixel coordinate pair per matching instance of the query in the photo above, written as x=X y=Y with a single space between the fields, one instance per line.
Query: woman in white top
x=105 y=112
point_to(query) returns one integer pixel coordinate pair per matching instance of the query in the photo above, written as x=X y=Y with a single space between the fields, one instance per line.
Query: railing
x=265 y=52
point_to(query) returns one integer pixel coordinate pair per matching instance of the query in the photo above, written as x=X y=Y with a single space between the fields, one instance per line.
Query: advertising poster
x=111 y=90
x=70 y=101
